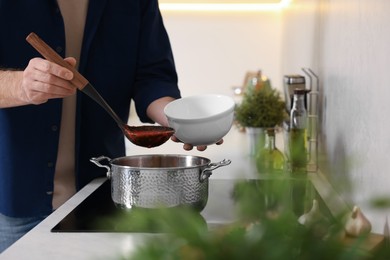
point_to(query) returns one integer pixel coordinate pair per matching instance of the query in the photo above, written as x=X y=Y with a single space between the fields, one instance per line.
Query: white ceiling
x=220 y=1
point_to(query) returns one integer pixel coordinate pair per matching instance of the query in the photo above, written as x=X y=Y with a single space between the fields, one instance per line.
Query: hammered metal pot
x=153 y=181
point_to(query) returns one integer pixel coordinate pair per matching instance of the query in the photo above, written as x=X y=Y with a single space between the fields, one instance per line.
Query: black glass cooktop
x=97 y=213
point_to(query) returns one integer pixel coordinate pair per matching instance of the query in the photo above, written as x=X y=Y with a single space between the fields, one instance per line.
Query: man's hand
x=189 y=147
x=43 y=80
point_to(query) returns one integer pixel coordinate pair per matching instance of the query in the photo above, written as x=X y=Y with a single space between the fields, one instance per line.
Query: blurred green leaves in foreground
x=267 y=228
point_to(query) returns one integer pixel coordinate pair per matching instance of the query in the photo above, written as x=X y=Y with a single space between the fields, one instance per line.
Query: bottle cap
x=294 y=79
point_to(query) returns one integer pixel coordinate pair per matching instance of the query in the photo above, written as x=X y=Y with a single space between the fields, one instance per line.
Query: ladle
x=146 y=136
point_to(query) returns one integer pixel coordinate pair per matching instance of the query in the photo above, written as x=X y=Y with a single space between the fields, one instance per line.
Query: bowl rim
x=211 y=117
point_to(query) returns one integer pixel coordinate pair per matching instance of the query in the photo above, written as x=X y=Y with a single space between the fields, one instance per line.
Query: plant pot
x=256 y=138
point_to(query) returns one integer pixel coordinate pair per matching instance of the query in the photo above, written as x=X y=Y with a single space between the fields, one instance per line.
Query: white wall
x=355 y=63
x=351 y=53
x=213 y=51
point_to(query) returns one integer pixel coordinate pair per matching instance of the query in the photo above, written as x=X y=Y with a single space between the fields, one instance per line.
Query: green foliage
x=261 y=108
x=267 y=228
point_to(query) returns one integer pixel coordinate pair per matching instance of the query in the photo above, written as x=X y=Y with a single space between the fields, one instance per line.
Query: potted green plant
x=260 y=109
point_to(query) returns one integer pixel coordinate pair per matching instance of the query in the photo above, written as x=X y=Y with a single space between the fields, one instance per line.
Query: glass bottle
x=292 y=82
x=270 y=159
x=298 y=132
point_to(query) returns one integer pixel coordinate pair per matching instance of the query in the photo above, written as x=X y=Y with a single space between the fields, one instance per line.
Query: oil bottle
x=298 y=133
x=270 y=159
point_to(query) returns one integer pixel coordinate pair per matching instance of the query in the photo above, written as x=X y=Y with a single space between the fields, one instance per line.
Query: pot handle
x=212 y=166
x=96 y=160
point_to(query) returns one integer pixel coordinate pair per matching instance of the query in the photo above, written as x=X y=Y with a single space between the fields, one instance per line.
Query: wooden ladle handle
x=48 y=53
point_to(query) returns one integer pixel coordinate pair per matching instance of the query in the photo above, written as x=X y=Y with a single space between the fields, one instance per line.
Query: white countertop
x=41 y=243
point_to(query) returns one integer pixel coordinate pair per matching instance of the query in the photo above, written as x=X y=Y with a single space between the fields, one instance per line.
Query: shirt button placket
x=49 y=187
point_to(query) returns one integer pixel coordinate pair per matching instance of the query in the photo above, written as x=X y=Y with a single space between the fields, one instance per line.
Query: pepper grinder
x=291 y=83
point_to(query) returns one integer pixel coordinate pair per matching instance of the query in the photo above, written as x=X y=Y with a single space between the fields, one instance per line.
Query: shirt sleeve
x=156 y=75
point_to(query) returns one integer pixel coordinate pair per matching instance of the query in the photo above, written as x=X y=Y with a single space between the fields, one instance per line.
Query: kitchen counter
x=41 y=243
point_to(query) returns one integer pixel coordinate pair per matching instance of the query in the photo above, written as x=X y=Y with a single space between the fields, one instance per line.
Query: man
x=48 y=129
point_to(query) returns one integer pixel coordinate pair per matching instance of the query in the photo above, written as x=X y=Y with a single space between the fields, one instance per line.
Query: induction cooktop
x=97 y=212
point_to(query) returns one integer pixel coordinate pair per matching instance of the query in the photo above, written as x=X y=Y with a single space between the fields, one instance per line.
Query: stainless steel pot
x=151 y=181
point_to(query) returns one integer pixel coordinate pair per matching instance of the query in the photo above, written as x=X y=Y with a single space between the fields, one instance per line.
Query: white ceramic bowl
x=201 y=119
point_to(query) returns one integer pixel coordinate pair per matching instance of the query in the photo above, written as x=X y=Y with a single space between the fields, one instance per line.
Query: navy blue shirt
x=125 y=55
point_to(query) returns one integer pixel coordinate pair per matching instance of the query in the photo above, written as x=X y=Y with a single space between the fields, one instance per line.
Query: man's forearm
x=155 y=110
x=10 y=90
